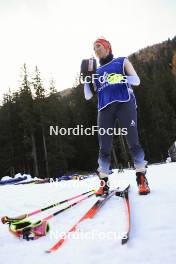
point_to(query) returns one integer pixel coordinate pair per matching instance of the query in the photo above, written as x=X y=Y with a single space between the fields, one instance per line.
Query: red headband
x=104 y=42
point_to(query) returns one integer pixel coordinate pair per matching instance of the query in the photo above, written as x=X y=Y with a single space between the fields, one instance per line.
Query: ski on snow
x=92 y=212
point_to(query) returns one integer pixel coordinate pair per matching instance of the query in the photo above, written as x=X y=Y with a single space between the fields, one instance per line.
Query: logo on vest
x=114 y=78
x=110 y=79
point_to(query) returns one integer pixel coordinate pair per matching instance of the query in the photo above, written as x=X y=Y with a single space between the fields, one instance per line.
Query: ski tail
x=125 y=194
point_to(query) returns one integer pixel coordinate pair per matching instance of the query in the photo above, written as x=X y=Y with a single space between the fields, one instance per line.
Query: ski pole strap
x=28 y=230
x=16 y=227
x=37 y=230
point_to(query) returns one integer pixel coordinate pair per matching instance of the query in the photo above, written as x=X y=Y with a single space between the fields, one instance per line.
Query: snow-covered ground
x=153 y=217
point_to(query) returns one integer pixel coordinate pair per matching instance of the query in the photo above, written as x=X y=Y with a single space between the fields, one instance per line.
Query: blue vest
x=109 y=91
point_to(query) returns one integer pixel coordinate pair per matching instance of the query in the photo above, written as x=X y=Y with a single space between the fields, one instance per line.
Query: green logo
x=113 y=78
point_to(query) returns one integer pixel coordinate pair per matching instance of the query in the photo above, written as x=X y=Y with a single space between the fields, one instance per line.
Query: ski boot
x=103 y=191
x=142 y=183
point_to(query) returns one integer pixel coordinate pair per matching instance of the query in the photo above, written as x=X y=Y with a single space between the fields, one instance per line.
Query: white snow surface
x=153 y=222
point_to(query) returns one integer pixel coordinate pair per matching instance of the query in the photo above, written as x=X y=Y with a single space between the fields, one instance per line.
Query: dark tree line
x=26 y=145
x=156 y=97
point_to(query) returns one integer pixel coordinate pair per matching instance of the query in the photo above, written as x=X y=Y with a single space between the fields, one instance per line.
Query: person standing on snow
x=116 y=100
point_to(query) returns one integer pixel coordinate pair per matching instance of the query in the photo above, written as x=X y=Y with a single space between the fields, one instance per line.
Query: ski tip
x=124 y=239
